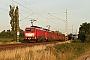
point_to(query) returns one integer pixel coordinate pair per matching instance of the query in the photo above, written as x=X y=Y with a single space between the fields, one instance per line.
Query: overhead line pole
x=66 y=25
x=72 y=29
x=66 y=22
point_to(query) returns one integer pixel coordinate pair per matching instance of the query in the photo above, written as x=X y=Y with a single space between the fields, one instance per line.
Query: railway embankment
x=49 y=51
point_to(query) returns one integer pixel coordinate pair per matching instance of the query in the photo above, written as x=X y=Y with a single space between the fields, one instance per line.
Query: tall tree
x=84 y=32
x=14 y=14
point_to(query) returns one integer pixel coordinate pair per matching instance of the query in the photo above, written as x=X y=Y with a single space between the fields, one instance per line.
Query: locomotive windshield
x=30 y=30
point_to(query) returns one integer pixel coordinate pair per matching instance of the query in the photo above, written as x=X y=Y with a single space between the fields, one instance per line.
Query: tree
x=82 y=36
x=9 y=34
x=3 y=34
x=84 y=32
x=14 y=14
x=21 y=33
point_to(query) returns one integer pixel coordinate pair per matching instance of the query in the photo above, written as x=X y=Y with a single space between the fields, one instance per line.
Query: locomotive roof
x=41 y=28
x=36 y=26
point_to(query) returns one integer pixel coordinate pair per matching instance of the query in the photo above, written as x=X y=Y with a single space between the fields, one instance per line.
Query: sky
x=78 y=12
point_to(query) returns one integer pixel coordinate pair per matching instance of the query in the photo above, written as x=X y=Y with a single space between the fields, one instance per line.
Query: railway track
x=23 y=45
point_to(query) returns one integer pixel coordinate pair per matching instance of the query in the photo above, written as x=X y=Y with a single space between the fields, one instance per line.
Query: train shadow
x=24 y=41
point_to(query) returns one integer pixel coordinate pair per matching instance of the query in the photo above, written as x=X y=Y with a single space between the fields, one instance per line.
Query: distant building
x=74 y=36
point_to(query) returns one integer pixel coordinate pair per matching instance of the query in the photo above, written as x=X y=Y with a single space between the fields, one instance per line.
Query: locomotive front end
x=29 y=34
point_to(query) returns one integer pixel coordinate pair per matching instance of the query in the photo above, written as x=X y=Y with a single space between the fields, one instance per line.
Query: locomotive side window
x=29 y=30
x=32 y=30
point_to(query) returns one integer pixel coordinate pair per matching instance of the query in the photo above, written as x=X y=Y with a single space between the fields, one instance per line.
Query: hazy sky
x=78 y=13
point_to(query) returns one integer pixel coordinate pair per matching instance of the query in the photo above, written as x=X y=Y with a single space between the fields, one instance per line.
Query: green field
x=5 y=40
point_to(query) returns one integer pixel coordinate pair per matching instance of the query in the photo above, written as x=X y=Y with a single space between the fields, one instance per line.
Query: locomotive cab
x=29 y=34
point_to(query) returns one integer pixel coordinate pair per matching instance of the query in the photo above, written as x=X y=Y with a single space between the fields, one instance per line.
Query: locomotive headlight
x=29 y=34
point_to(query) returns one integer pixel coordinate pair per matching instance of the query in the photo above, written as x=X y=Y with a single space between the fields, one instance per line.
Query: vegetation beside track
x=70 y=51
x=6 y=40
x=66 y=51
x=7 y=36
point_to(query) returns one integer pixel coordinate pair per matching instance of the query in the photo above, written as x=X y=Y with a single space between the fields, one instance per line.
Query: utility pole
x=72 y=29
x=72 y=32
x=76 y=32
x=66 y=21
x=17 y=23
x=66 y=25
x=32 y=21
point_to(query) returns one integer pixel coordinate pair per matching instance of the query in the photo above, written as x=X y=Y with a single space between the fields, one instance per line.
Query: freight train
x=35 y=33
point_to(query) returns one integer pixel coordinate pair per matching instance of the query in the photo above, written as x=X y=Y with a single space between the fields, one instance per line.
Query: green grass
x=76 y=41
x=5 y=40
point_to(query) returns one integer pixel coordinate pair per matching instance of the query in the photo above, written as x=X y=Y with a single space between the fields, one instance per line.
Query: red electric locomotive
x=35 y=33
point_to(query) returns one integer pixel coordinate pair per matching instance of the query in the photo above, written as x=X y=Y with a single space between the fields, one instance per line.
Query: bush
x=88 y=39
x=82 y=36
x=76 y=41
x=72 y=50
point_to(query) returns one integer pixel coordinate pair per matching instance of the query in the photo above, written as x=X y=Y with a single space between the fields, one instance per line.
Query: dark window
x=32 y=30
x=29 y=30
